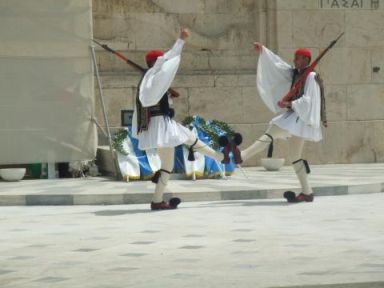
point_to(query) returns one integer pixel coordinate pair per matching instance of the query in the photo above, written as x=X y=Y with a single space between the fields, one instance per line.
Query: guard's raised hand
x=258 y=47
x=284 y=104
x=184 y=34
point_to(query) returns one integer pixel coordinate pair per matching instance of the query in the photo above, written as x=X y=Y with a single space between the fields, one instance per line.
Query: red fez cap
x=304 y=52
x=153 y=55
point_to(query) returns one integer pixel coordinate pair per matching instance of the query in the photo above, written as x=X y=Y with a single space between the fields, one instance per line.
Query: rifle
x=296 y=87
x=174 y=93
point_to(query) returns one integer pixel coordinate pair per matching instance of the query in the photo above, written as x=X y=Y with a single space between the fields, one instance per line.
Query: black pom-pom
x=290 y=196
x=223 y=141
x=174 y=202
x=237 y=139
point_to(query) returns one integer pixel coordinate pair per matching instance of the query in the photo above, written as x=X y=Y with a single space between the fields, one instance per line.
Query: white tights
x=296 y=145
x=166 y=155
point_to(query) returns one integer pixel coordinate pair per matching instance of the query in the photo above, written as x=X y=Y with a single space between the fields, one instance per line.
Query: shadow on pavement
x=121 y=212
x=209 y=205
x=247 y=203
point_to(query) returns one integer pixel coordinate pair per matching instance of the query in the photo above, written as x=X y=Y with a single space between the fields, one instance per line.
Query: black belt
x=170 y=113
x=157 y=113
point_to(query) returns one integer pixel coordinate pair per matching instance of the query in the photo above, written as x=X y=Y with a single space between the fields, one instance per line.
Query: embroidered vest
x=144 y=114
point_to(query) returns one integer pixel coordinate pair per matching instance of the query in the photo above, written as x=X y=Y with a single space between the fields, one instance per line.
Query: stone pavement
x=254 y=183
x=244 y=243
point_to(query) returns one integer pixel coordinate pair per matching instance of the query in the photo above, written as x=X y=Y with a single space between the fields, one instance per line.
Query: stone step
x=256 y=183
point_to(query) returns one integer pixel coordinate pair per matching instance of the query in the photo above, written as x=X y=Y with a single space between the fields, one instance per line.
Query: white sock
x=263 y=142
x=204 y=149
x=259 y=145
x=302 y=175
x=160 y=187
x=167 y=158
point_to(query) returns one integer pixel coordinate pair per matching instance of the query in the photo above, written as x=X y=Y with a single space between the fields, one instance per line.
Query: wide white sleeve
x=273 y=79
x=134 y=122
x=158 y=79
x=308 y=106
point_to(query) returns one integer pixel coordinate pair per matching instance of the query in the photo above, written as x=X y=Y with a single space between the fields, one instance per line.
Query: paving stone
x=334 y=240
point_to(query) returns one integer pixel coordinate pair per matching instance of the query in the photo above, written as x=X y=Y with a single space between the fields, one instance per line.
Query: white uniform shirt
x=162 y=131
x=273 y=80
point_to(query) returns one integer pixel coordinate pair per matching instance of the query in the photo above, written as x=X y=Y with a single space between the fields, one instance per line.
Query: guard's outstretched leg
x=274 y=132
x=196 y=145
x=227 y=144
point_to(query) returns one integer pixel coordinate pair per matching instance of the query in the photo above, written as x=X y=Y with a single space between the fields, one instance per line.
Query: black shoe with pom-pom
x=236 y=142
x=231 y=146
x=224 y=142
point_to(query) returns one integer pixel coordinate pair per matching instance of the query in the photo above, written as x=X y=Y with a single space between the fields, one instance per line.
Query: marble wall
x=217 y=75
x=354 y=91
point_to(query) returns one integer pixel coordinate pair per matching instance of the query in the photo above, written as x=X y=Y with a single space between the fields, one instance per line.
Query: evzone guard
x=154 y=127
x=304 y=110
x=303 y=103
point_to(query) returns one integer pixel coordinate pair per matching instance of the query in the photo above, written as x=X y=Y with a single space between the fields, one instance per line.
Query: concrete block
x=98 y=199
x=336 y=102
x=365 y=102
x=181 y=6
x=115 y=100
x=12 y=200
x=211 y=103
x=46 y=200
x=284 y=29
x=360 y=142
x=364 y=188
x=331 y=149
x=254 y=109
x=317 y=28
x=296 y=4
x=367 y=35
x=330 y=190
x=243 y=194
x=377 y=60
x=193 y=81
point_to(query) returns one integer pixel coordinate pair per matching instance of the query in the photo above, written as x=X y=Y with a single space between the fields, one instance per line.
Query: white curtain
x=46 y=81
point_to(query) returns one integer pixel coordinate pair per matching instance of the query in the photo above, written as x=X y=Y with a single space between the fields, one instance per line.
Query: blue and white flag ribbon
x=139 y=164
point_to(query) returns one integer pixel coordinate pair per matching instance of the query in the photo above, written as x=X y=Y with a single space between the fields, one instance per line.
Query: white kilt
x=163 y=132
x=291 y=122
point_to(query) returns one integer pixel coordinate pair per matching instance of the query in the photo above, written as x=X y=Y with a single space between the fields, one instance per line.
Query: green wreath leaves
x=208 y=127
x=117 y=141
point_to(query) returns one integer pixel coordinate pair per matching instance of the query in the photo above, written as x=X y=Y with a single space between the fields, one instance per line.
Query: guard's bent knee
x=302 y=162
